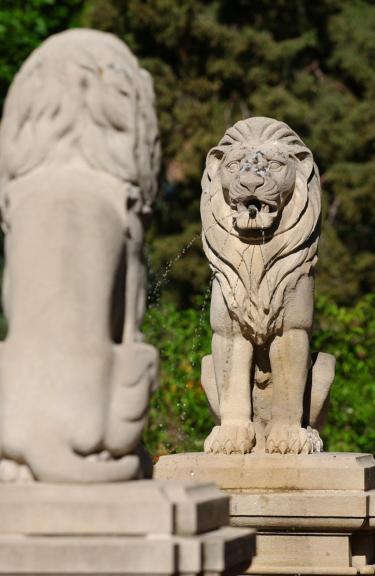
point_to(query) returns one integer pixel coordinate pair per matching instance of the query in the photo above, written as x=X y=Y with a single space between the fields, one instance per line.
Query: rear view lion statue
x=261 y=222
x=79 y=159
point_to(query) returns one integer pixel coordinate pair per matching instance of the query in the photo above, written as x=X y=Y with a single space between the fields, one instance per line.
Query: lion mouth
x=255 y=214
x=253 y=206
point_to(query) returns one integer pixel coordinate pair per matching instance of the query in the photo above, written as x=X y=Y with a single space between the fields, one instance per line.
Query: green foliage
x=216 y=61
x=307 y=63
x=24 y=25
x=350 y=335
x=180 y=418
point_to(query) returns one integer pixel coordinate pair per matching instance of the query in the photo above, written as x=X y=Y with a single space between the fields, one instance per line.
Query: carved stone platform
x=316 y=516
x=142 y=527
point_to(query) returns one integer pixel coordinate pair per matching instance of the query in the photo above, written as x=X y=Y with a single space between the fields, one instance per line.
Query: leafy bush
x=24 y=24
x=349 y=334
x=180 y=418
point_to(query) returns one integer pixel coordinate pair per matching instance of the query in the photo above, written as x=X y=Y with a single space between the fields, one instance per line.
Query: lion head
x=260 y=212
x=256 y=164
x=82 y=97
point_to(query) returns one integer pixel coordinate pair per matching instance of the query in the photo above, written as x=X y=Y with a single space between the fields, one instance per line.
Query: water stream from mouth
x=162 y=278
x=155 y=290
x=156 y=325
x=199 y=328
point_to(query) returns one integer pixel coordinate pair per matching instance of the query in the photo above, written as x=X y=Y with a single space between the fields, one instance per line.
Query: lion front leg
x=290 y=361
x=232 y=358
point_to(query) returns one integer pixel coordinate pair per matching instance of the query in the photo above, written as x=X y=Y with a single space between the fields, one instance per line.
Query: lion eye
x=233 y=166
x=275 y=165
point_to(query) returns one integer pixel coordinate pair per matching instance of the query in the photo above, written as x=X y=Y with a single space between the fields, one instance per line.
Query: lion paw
x=287 y=439
x=11 y=471
x=231 y=439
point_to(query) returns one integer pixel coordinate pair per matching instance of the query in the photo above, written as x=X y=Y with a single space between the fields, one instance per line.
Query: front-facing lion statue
x=261 y=222
x=79 y=158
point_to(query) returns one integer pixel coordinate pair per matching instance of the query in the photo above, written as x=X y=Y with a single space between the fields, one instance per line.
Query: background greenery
x=214 y=62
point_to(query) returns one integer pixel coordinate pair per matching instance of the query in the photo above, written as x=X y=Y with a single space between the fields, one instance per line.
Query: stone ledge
x=322 y=553
x=306 y=509
x=219 y=552
x=143 y=527
x=321 y=471
x=137 y=508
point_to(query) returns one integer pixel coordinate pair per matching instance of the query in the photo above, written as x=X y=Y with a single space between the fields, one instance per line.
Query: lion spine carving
x=79 y=159
x=260 y=212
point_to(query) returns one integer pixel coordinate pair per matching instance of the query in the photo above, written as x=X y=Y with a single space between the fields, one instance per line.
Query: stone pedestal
x=316 y=516
x=142 y=527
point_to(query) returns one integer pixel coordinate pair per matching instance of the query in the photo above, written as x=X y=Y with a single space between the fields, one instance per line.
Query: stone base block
x=143 y=527
x=318 y=471
x=314 y=514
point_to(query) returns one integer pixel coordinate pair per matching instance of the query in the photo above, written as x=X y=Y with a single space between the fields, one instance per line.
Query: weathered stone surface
x=209 y=555
x=58 y=509
x=302 y=509
x=372 y=507
x=90 y=556
x=316 y=553
x=323 y=471
x=198 y=508
x=142 y=527
x=314 y=514
x=133 y=508
x=260 y=213
x=224 y=546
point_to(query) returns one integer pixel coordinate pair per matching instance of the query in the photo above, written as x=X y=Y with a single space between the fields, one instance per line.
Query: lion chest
x=254 y=296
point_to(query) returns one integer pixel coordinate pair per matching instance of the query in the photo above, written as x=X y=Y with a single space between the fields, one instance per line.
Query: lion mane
x=254 y=290
x=81 y=94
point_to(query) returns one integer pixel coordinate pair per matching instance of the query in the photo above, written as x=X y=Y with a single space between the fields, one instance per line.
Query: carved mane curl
x=254 y=293
x=82 y=95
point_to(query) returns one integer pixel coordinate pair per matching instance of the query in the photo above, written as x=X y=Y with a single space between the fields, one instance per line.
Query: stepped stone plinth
x=143 y=527
x=316 y=516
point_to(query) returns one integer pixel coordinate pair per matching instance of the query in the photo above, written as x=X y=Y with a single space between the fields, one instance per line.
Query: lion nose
x=251 y=181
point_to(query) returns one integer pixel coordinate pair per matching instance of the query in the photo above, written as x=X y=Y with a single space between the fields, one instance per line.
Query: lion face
x=257 y=181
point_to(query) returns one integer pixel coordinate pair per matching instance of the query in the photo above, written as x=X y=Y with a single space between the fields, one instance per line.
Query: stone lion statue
x=261 y=222
x=79 y=159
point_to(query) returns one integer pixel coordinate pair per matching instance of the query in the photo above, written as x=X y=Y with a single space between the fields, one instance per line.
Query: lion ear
x=213 y=160
x=305 y=158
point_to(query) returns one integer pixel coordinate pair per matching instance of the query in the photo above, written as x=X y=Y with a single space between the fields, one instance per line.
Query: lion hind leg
x=135 y=376
x=323 y=373
x=209 y=385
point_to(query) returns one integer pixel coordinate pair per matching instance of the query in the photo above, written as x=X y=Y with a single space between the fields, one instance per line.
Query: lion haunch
x=260 y=212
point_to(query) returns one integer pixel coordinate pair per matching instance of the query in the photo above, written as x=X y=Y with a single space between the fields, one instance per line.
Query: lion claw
x=291 y=439
x=231 y=439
